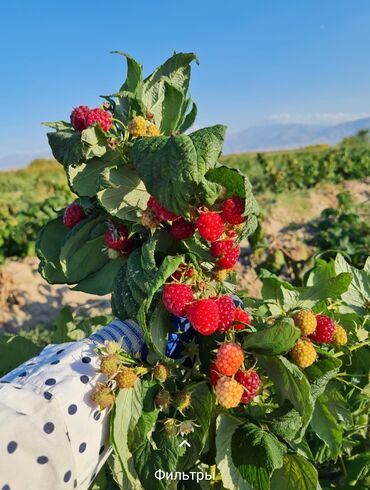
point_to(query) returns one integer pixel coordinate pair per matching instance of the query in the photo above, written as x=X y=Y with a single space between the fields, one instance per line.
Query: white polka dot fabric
x=52 y=436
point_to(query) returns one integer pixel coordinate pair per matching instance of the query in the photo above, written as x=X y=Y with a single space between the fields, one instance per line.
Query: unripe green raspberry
x=137 y=126
x=161 y=372
x=220 y=275
x=170 y=427
x=182 y=400
x=103 y=396
x=229 y=392
x=163 y=399
x=303 y=353
x=340 y=335
x=109 y=365
x=113 y=254
x=126 y=378
x=306 y=321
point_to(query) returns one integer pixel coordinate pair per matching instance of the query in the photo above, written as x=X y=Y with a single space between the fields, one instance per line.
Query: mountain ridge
x=280 y=136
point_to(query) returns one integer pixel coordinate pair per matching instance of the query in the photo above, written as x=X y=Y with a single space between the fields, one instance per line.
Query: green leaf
x=65 y=146
x=176 y=72
x=48 y=247
x=158 y=326
x=171 y=108
x=320 y=373
x=59 y=125
x=358 y=293
x=326 y=427
x=85 y=177
x=286 y=426
x=134 y=76
x=83 y=245
x=124 y=195
x=189 y=119
x=226 y=426
x=291 y=385
x=127 y=408
x=256 y=454
x=101 y=282
x=123 y=304
x=14 y=351
x=231 y=179
x=93 y=141
x=173 y=168
x=296 y=474
x=280 y=295
x=358 y=468
x=333 y=287
x=277 y=339
x=151 y=448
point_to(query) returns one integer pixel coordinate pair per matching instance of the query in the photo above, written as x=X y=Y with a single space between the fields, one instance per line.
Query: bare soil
x=27 y=300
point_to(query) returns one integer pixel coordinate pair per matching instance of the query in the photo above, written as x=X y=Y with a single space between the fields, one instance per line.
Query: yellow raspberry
x=137 y=126
x=306 y=321
x=229 y=392
x=303 y=353
x=109 y=365
x=340 y=335
x=103 y=396
x=126 y=378
x=220 y=275
x=152 y=130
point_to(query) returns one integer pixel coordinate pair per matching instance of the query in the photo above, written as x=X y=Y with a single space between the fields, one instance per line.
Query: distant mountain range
x=284 y=136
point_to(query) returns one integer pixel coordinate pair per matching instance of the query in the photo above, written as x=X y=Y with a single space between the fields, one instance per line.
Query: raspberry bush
x=256 y=386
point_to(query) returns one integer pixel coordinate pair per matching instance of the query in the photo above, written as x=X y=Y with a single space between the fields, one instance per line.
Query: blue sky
x=276 y=60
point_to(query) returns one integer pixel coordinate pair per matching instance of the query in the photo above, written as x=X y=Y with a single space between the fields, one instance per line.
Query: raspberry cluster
x=83 y=117
x=319 y=329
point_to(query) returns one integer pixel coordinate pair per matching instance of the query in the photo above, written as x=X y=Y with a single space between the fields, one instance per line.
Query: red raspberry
x=232 y=210
x=162 y=213
x=78 y=117
x=176 y=297
x=241 y=316
x=230 y=357
x=251 y=382
x=226 y=308
x=325 y=328
x=210 y=226
x=228 y=253
x=182 y=229
x=117 y=239
x=73 y=214
x=214 y=375
x=99 y=116
x=203 y=316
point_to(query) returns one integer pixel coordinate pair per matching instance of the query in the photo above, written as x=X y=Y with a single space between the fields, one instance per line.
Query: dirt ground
x=27 y=300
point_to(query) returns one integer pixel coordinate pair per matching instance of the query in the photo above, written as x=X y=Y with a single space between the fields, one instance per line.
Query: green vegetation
x=300 y=169
x=28 y=199
x=343 y=229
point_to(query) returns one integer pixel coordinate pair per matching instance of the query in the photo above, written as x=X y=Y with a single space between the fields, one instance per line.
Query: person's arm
x=52 y=435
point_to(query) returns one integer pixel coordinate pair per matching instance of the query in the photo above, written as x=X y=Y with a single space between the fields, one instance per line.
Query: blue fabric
x=127 y=332
x=182 y=333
